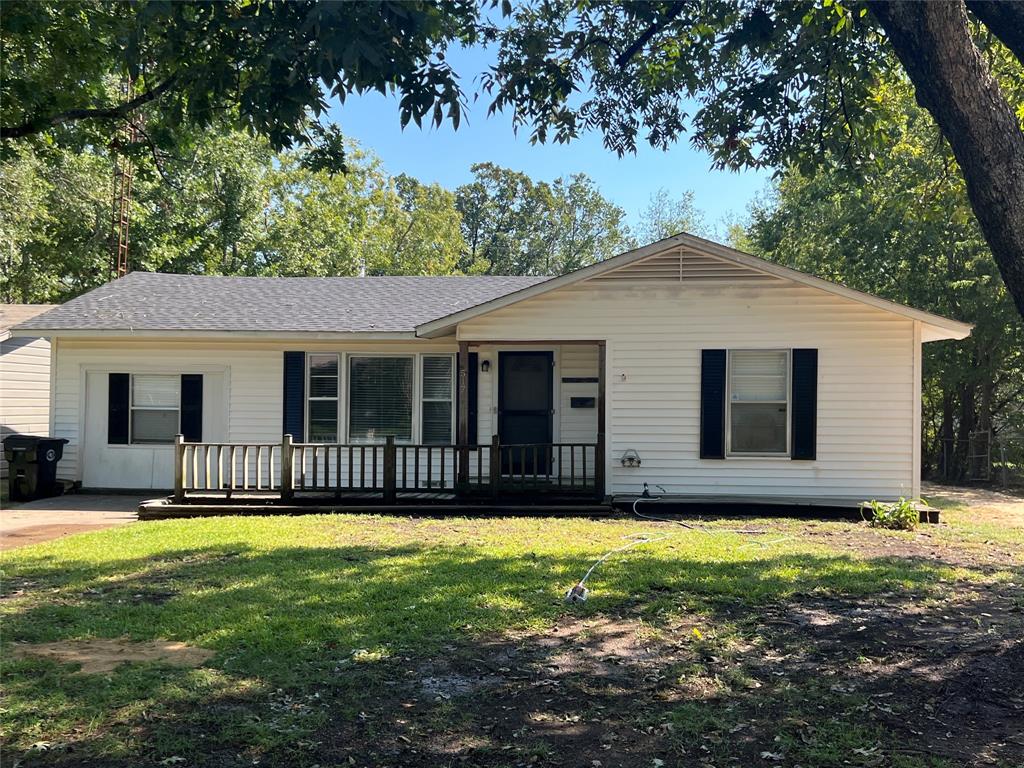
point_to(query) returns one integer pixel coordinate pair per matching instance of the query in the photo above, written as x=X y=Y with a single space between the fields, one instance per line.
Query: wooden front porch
x=390 y=473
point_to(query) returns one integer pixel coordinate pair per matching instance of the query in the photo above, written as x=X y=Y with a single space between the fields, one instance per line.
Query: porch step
x=163 y=510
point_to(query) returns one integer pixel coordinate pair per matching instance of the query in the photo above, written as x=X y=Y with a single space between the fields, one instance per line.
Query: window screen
x=380 y=398
x=758 y=401
x=323 y=398
x=438 y=388
x=155 y=408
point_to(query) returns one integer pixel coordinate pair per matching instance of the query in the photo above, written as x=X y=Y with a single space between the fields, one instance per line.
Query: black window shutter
x=192 y=407
x=117 y=408
x=295 y=395
x=712 y=403
x=804 y=425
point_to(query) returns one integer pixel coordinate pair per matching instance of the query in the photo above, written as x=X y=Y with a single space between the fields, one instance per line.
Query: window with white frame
x=323 y=398
x=438 y=389
x=380 y=398
x=155 y=408
x=758 y=398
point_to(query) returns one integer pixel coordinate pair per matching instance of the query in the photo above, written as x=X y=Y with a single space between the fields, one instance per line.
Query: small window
x=758 y=401
x=438 y=387
x=155 y=406
x=380 y=399
x=323 y=398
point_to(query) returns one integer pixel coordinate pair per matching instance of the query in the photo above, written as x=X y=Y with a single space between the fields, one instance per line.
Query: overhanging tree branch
x=1005 y=20
x=645 y=37
x=953 y=83
x=41 y=123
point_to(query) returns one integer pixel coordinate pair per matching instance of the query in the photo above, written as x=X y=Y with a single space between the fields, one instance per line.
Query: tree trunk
x=946 y=437
x=962 y=461
x=953 y=83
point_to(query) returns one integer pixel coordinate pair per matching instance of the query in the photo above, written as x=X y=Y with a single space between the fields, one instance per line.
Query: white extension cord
x=578 y=593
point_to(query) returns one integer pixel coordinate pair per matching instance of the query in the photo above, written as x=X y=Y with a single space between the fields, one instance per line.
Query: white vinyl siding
x=655 y=333
x=24 y=389
x=578 y=361
x=241 y=403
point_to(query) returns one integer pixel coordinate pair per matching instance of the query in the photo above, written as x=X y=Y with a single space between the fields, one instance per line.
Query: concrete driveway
x=34 y=521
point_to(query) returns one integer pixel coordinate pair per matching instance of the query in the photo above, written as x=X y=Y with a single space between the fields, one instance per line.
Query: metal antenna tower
x=123 y=170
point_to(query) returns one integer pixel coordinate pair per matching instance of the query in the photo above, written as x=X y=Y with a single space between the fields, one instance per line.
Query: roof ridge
x=139 y=273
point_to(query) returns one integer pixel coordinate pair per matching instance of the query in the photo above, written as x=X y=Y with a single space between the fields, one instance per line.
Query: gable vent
x=684 y=266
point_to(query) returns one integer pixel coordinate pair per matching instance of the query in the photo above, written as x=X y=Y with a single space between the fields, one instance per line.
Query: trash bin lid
x=28 y=442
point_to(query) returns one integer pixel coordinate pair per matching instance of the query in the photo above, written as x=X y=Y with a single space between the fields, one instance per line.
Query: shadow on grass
x=315 y=646
x=248 y=603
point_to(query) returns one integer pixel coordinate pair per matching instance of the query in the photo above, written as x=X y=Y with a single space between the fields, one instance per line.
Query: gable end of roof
x=709 y=260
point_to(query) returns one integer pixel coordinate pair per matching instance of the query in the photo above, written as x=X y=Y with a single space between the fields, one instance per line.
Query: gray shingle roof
x=15 y=314
x=149 y=301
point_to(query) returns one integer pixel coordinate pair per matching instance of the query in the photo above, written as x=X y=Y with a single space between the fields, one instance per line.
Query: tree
x=54 y=224
x=261 y=66
x=665 y=216
x=905 y=230
x=228 y=205
x=513 y=225
x=767 y=84
x=497 y=209
x=760 y=84
x=582 y=226
x=416 y=230
x=361 y=222
x=203 y=211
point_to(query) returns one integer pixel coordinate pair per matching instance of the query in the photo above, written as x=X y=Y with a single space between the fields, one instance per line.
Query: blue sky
x=444 y=155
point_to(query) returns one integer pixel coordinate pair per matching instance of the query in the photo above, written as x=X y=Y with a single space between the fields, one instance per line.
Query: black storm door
x=525 y=403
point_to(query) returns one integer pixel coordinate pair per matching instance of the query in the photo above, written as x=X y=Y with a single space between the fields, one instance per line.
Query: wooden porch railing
x=290 y=469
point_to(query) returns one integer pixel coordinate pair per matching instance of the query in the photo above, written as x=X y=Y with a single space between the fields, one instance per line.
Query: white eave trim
x=937 y=327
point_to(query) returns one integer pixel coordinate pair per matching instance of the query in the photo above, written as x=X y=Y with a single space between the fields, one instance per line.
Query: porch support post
x=494 y=466
x=599 y=459
x=390 y=467
x=462 y=475
x=287 y=474
x=179 y=469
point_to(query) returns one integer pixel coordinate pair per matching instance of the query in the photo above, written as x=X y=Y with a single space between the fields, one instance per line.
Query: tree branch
x=1005 y=20
x=41 y=123
x=645 y=37
x=952 y=82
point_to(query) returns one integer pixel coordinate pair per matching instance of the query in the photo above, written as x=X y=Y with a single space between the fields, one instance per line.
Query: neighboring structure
x=24 y=377
x=684 y=364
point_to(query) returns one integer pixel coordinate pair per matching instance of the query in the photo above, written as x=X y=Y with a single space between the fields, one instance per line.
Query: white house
x=24 y=377
x=683 y=364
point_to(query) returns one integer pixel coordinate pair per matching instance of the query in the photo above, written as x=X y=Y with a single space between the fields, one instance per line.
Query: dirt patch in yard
x=815 y=681
x=102 y=655
x=996 y=507
x=922 y=544
x=35 y=534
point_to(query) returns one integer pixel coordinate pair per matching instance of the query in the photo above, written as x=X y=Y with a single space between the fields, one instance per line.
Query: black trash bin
x=32 y=466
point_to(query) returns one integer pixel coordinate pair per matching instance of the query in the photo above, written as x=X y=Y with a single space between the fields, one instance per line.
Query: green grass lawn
x=299 y=610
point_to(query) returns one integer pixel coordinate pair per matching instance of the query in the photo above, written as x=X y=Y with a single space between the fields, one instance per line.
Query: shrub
x=901 y=515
